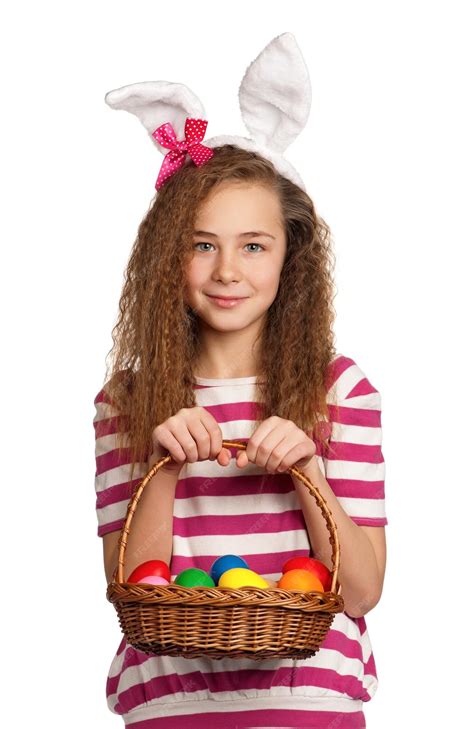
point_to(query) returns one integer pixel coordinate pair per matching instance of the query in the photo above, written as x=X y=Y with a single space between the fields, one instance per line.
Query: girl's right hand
x=191 y=435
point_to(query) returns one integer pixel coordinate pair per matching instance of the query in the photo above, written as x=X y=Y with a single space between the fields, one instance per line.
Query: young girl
x=191 y=370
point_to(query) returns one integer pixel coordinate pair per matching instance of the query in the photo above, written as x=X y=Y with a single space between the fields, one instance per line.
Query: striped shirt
x=226 y=510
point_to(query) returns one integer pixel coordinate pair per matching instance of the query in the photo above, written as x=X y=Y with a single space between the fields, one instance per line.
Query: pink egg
x=153 y=580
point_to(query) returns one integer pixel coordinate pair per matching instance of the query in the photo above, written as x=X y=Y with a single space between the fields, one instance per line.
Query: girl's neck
x=227 y=356
x=240 y=367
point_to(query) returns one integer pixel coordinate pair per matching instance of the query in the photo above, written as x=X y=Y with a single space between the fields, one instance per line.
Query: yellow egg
x=240 y=577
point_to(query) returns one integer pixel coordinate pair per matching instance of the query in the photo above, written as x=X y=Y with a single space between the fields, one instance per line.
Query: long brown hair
x=156 y=335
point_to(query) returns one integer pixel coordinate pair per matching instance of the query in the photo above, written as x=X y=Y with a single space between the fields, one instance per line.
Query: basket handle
x=314 y=491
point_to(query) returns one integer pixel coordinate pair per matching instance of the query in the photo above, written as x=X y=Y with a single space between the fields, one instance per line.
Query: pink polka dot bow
x=194 y=131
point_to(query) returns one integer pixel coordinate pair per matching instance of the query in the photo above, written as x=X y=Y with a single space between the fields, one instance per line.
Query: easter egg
x=312 y=565
x=194 y=577
x=152 y=580
x=300 y=580
x=227 y=562
x=241 y=577
x=151 y=567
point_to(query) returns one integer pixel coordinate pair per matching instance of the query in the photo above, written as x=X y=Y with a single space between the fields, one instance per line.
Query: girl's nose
x=226 y=269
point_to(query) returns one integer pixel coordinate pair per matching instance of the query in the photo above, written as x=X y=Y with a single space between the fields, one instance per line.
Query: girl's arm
x=151 y=532
x=359 y=574
x=150 y=535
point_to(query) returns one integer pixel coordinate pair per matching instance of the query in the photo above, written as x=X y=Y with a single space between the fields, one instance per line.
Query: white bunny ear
x=275 y=94
x=157 y=102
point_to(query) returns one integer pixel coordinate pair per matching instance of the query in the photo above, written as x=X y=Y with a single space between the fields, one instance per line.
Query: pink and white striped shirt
x=226 y=510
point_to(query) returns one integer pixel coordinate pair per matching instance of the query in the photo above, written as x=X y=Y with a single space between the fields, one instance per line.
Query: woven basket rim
x=202 y=596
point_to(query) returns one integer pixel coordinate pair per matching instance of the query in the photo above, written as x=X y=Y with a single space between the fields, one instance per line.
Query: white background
x=387 y=156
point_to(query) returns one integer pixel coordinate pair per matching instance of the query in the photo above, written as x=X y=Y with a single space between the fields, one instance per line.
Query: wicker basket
x=220 y=622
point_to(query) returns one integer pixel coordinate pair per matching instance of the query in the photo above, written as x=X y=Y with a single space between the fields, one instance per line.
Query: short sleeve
x=354 y=463
x=112 y=477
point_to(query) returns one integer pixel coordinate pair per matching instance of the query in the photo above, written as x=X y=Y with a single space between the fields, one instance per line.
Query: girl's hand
x=277 y=445
x=191 y=435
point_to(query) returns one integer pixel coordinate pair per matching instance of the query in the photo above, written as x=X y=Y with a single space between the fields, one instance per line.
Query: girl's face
x=239 y=250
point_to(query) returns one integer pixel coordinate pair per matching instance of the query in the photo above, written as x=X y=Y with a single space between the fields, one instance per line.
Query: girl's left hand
x=277 y=445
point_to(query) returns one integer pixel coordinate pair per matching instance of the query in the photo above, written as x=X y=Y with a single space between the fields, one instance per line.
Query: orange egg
x=300 y=580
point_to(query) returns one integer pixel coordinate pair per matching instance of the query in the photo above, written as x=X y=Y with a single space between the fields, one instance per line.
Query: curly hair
x=155 y=338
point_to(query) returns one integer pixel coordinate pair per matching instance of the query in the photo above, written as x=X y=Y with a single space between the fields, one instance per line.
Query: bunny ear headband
x=274 y=98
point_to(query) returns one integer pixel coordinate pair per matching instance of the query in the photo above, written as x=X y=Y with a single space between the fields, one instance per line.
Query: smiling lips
x=231 y=298
x=225 y=302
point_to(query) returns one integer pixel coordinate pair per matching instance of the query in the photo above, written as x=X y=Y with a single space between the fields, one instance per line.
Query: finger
x=224 y=457
x=215 y=433
x=299 y=452
x=168 y=441
x=274 y=446
x=242 y=459
x=188 y=434
x=261 y=433
x=200 y=432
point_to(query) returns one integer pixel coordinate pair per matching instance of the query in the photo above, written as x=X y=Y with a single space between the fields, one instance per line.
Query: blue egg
x=227 y=562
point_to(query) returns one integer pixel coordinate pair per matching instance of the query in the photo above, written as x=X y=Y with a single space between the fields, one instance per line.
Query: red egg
x=312 y=565
x=151 y=567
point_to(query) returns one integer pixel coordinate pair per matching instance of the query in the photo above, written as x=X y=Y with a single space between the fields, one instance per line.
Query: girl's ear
x=157 y=102
x=275 y=94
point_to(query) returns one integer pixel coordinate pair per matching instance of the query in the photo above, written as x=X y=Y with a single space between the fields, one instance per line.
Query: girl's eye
x=248 y=244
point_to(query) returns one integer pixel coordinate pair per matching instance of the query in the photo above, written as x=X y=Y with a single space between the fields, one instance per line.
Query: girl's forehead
x=252 y=208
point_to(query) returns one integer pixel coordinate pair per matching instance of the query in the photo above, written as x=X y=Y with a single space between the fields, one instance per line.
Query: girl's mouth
x=225 y=303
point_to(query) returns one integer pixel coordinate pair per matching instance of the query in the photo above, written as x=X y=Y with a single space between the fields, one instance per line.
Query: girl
x=193 y=366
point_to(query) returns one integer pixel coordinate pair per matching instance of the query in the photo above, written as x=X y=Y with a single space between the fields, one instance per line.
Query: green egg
x=194 y=577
